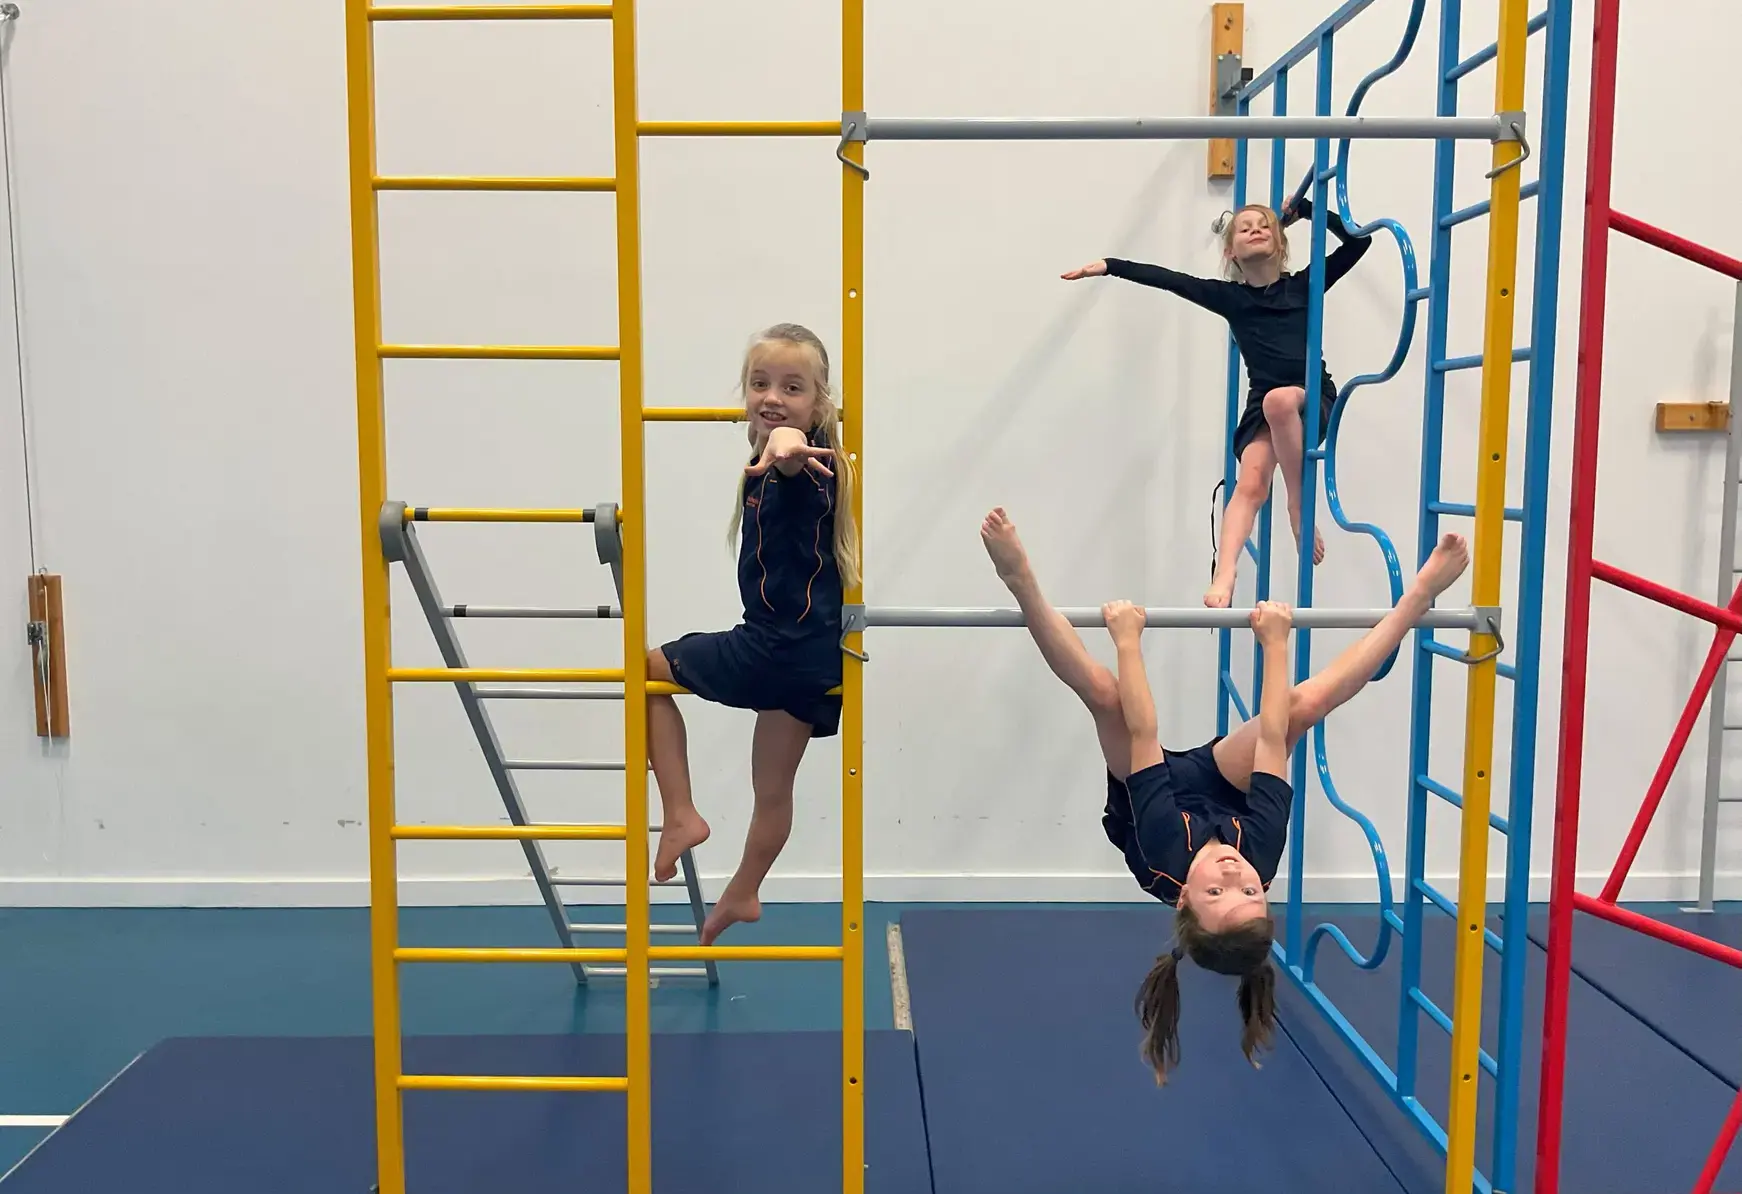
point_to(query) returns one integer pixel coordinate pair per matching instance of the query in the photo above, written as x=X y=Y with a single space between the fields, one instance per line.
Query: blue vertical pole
x=1527 y=635
x=1224 y=637
x=1266 y=512
x=1309 y=492
x=1427 y=533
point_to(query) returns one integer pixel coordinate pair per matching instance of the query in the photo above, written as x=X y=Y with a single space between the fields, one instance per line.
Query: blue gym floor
x=228 y=1050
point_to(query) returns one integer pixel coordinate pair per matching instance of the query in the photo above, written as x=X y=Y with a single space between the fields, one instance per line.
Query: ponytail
x=1158 y=1013
x=1244 y=951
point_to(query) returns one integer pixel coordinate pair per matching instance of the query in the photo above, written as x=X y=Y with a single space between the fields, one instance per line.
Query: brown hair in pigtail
x=1257 y=1010
x=1158 y=1013
x=1244 y=951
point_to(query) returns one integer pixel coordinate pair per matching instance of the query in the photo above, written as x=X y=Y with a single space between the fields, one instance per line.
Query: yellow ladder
x=386 y=955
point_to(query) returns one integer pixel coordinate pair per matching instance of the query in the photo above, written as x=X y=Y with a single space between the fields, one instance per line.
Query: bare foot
x=1318 y=537
x=728 y=911
x=678 y=835
x=998 y=533
x=1219 y=595
x=1444 y=565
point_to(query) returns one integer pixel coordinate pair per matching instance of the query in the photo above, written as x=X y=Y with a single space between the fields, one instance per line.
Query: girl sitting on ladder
x=1266 y=309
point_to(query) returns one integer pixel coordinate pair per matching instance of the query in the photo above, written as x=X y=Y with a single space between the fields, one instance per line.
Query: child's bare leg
x=1251 y=491
x=1059 y=643
x=775 y=751
x=668 y=751
x=1313 y=700
x=1282 y=411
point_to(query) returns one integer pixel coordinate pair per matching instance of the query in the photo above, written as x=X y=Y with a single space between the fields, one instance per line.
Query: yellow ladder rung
x=509 y=675
x=420 y=954
x=739 y=128
x=491 y=12
x=745 y=953
x=497 y=352
x=514 y=833
x=479 y=1082
x=465 y=514
x=461 y=182
x=692 y=414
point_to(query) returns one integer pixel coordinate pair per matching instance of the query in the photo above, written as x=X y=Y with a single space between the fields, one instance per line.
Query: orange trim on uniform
x=817 y=542
x=762 y=585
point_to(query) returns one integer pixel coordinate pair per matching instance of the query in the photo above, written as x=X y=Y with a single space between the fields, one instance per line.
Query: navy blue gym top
x=787 y=577
x=1269 y=323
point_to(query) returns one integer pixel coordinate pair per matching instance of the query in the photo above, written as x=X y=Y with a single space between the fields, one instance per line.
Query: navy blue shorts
x=1252 y=420
x=743 y=670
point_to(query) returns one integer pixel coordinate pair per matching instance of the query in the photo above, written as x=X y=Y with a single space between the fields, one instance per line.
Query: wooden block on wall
x=1227 y=36
x=48 y=655
x=1693 y=416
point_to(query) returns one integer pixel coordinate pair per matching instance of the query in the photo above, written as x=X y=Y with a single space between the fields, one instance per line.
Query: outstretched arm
x=1125 y=623
x=1271 y=622
x=1207 y=293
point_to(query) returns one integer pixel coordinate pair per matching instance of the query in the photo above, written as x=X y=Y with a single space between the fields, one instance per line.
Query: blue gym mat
x=731 y=1111
x=1033 y=1084
x=1694 y=1002
x=1639 y=1115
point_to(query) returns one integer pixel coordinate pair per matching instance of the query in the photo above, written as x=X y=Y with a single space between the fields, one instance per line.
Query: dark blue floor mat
x=1694 y=1002
x=1028 y=1053
x=754 y=1112
x=1639 y=1116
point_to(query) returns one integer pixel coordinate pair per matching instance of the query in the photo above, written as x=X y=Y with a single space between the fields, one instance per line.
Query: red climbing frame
x=1600 y=220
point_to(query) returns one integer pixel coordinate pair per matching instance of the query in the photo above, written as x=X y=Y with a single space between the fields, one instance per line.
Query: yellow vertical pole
x=377 y=642
x=637 y=1025
x=1497 y=335
x=852 y=676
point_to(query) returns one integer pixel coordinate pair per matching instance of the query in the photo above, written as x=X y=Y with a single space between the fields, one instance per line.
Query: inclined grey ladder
x=400 y=545
x=1718 y=724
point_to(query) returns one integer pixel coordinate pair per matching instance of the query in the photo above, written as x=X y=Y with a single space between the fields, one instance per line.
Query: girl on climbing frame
x=798 y=552
x=1203 y=829
x=1266 y=308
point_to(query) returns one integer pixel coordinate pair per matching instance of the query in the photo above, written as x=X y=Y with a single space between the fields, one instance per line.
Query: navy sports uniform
x=1269 y=322
x=786 y=654
x=1161 y=816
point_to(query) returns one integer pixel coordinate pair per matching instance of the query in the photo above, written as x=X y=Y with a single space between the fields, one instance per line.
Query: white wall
x=185 y=249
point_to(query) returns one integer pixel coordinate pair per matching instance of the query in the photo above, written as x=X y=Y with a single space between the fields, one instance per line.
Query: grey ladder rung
x=546 y=694
x=601 y=928
x=594 y=881
x=530 y=611
x=562 y=765
x=653 y=971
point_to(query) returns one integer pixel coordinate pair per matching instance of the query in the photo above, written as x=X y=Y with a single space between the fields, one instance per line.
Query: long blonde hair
x=826 y=419
x=1277 y=238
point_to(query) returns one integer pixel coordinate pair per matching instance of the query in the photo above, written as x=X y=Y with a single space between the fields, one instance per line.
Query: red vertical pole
x=1600 y=157
x=1720 y=1147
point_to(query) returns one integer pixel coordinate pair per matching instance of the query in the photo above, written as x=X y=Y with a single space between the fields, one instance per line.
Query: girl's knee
x=658 y=667
x=1283 y=401
x=1253 y=484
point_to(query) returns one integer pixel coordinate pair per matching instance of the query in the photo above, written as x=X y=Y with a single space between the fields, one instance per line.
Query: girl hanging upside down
x=1204 y=829
x=1266 y=309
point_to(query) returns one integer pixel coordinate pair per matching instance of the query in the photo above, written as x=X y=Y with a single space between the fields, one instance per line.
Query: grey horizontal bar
x=529 y=611
x=546 y=694
x=594 y=881
x=1187 y=618
x=591 y=928
x=1185 y=128
x=562 y=765
x=655 y=971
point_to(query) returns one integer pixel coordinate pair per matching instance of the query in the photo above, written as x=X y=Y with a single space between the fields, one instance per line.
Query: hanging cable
x=9 y=14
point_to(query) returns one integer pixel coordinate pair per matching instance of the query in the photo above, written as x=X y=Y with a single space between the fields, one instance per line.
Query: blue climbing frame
x=1524 y=618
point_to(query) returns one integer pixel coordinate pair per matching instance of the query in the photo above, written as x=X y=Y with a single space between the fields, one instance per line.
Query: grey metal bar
x=399 y=542
x=655 y=971
x=530 y=611
x=546 y=694
x=1188 y=128
x=562 y=765
x=604 y=928
x=597 y=881
x=1726 y=581
x=1186 y=618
